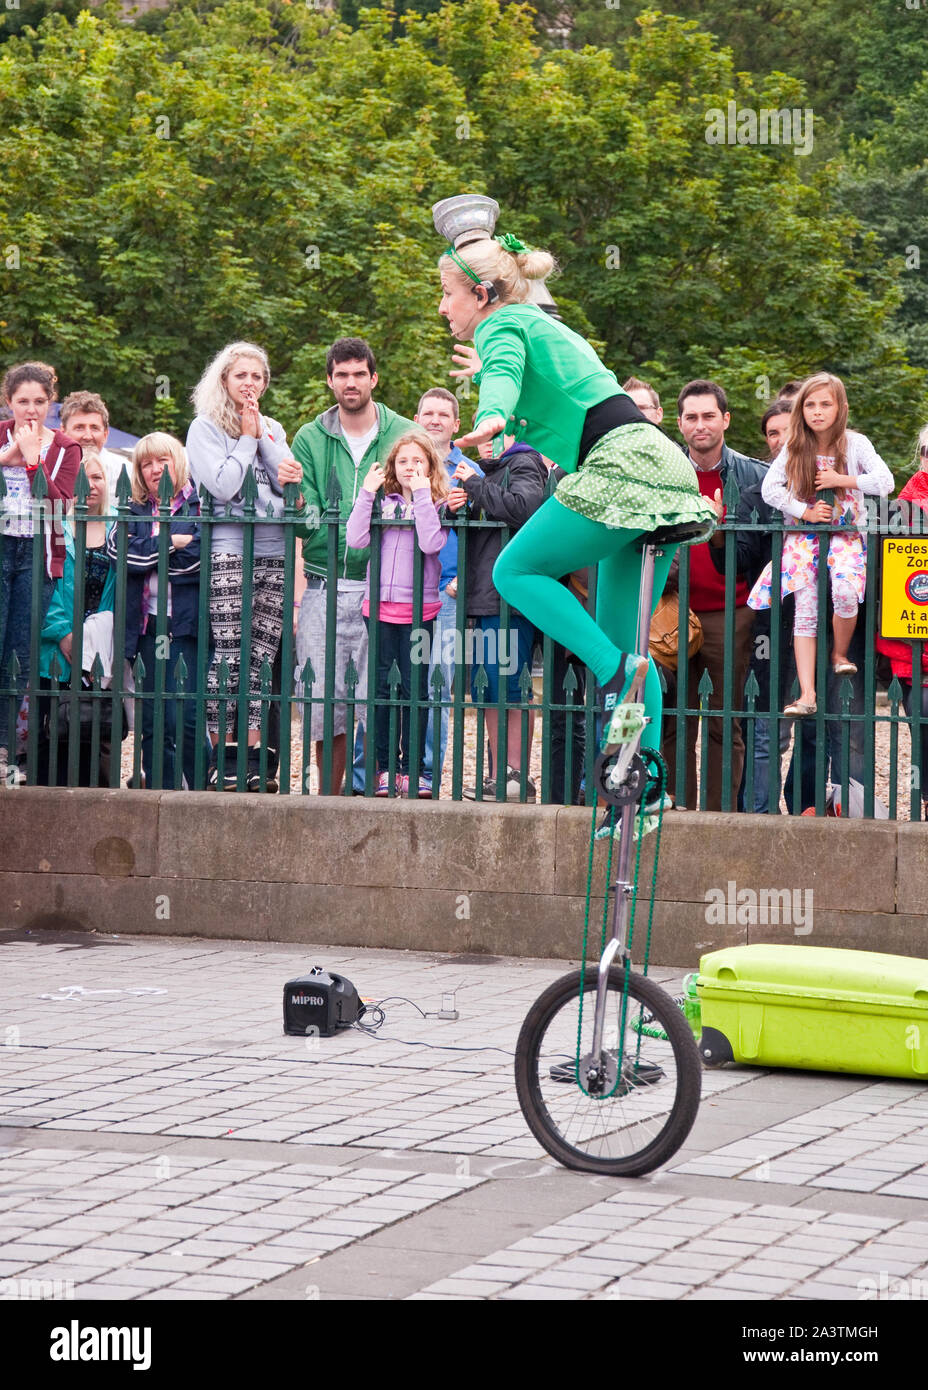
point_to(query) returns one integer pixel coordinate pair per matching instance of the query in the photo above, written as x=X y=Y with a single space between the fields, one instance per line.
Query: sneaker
x=229 y=781
x=489 y=790
x=382 y=785
x=622 y=721
x=425 y=788
x=513 y=788
x=605 y=830
x=616 y=691
x=653 y=809
x=253 y=782
x=253 y=775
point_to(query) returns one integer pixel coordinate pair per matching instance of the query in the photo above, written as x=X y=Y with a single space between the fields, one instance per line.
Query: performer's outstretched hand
x=487 y=429
x=466 y=358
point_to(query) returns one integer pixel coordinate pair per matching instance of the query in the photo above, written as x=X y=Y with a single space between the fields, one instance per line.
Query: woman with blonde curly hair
x=229 y=438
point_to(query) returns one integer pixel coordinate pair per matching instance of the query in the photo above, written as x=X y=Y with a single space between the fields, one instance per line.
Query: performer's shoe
x=653 y=810
x=622 y=721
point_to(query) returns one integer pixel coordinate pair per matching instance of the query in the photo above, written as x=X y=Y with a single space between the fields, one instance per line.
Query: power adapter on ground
x=447 y=1009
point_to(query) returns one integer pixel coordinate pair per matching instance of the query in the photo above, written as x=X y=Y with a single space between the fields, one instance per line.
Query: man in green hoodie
x=341 y=443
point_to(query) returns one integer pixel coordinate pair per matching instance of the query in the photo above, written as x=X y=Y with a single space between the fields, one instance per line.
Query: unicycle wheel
x=636 y=1120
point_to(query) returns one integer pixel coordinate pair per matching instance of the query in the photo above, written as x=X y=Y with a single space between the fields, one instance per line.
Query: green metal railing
x=841 y=739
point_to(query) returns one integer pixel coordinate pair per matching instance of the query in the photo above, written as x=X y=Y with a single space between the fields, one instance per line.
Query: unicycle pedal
x=634 y=1074
x=643 y=1073
x=624 y=724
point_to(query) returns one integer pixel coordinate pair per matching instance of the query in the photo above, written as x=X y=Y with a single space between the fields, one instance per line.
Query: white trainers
x=513 y=788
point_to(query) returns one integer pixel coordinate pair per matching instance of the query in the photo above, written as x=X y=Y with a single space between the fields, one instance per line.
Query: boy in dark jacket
x=512 y=488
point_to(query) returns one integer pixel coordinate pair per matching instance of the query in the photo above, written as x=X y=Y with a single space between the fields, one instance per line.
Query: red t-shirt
x=707 y=585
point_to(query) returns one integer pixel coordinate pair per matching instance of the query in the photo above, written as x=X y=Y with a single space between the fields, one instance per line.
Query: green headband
x=459 y=261
x=509 y=243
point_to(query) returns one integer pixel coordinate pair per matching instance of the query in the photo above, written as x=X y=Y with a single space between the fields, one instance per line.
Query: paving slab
x=161 y=1137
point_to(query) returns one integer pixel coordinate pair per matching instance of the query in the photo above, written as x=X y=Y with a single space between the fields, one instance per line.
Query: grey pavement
x=161 y=1138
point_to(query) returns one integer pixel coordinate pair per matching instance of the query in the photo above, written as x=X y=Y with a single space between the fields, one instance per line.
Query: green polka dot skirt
x=635 y=478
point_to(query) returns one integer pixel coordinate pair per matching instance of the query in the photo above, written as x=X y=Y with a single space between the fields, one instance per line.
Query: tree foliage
x=263 y=169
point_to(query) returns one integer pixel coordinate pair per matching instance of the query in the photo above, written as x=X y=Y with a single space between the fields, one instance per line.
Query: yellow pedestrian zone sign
x=904 y=600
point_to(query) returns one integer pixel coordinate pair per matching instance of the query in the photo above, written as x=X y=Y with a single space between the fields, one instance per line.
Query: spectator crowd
x=386 y=596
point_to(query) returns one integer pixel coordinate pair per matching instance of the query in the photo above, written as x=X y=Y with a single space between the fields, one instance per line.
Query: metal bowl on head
x=466 y=217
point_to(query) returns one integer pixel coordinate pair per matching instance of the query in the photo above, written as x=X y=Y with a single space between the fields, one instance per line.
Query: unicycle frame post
x=596 y=1103
x=623 y=888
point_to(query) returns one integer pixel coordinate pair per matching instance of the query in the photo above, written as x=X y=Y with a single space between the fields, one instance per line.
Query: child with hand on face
x=415 y=484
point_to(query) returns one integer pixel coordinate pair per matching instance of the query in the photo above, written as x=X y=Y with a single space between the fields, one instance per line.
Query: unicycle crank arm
x=624 y=760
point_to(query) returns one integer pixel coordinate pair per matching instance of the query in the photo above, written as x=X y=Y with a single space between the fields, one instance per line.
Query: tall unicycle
x=607 y=1070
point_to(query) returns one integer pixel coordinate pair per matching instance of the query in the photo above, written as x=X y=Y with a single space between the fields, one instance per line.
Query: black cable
x=371 y=1029
x=397 y=999
x=438 y=1047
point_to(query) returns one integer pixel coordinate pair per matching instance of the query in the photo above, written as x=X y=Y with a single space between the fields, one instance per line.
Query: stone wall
x=442 y=876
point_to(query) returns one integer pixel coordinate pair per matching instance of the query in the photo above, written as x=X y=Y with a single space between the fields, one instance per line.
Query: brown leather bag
x=664 y=639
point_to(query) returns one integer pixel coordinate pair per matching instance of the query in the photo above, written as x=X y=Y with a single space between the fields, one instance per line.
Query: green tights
x=552 y=543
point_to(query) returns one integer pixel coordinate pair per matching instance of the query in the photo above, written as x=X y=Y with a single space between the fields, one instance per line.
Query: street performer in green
x=544 y=383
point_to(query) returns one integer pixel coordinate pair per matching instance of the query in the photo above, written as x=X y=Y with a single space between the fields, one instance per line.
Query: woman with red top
x=26 y=445
x=899 y=652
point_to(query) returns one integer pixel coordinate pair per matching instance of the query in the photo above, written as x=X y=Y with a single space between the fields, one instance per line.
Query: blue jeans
x=515 y=647
x=358 y=761
x=147 y=651
x=443 y=659
x=16 y=624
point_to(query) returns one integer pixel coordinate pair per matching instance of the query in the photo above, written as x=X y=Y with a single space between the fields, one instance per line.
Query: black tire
x=642 y=1123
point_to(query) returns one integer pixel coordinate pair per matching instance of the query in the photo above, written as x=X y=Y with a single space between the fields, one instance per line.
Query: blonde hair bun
x=535 y=265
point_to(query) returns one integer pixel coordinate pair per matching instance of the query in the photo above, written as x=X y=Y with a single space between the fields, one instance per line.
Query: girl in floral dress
x=822 y=460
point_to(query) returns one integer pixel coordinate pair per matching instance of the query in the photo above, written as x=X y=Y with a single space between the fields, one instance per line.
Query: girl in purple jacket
x=415 y=484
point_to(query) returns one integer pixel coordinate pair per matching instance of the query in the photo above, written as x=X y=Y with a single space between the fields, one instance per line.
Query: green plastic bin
x=815 y=1008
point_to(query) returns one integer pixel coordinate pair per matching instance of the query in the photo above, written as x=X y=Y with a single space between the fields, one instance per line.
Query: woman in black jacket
x=512 y=488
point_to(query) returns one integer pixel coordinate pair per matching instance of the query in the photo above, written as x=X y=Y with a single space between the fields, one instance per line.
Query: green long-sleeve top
x=542 y=377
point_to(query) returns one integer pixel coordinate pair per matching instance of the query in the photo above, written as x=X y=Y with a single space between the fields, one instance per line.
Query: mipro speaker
x=319 y=1004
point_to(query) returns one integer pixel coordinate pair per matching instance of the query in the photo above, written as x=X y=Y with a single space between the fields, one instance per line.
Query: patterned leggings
x=843 y=597
x=225 y=615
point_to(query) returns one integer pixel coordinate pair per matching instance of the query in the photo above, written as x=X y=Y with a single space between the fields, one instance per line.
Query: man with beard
x=702 y=419
x=343 y=441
